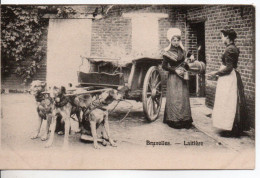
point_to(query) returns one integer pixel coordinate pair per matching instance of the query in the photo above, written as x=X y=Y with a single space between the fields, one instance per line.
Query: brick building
x=200 y=25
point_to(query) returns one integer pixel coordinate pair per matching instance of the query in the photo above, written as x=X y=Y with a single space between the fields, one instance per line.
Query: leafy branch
x=21 y=33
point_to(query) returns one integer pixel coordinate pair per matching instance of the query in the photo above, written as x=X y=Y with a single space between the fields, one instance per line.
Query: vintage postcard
x=128 y=86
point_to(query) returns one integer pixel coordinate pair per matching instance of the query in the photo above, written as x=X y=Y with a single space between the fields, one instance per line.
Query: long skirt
x=229 y=111
x=177 y=110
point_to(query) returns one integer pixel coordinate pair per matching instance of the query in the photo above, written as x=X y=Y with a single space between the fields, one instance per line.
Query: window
x=145 y=32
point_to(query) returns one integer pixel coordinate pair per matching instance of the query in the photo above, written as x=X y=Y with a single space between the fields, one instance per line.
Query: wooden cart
x=140 y=79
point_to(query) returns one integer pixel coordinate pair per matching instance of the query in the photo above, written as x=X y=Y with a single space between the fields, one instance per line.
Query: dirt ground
x=19 y=116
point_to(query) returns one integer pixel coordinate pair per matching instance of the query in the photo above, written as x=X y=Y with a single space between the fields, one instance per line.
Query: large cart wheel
x=152 y=93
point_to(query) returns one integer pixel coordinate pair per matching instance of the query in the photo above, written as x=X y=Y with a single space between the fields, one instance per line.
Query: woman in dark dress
x=229 y=113
x=177 y=110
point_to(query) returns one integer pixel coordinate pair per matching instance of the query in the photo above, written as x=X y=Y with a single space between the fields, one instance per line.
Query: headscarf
x=172 y=32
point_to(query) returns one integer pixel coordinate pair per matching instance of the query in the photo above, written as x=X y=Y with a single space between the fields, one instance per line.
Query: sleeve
x=229 y=60
x=165 y=65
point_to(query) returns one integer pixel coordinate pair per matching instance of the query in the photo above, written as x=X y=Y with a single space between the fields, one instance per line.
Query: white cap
x=173 y=32
x=170 y=34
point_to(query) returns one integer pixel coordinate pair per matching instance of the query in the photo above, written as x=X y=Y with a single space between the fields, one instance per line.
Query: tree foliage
x=22 y=29
x=21 y=32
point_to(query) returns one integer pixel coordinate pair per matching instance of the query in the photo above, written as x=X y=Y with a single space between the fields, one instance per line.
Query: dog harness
x=96 y=104
x=39 y=97
x=44 y=107
x=63 y=100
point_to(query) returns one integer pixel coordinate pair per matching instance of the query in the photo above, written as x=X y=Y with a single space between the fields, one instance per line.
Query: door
x=201 y=57
x=197 y=33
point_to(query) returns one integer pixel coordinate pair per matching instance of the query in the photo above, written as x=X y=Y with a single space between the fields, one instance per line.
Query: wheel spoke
x=156 y=79
x=156 y=100
x=158 y=92
x=152 y=93
x=149 y=100
x=149 y=87
x=154 y=107
x=149 y=105
x=156 y=86
x=153 y=78
x=151 y=108
x=154 y=72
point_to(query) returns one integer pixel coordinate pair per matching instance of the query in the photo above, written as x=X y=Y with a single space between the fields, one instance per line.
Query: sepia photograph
x=128 y=86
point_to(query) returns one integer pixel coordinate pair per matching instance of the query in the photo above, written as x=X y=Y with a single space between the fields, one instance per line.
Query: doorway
x=196 y=43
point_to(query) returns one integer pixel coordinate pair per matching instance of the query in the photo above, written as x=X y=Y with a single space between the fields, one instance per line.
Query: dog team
x=57 y=106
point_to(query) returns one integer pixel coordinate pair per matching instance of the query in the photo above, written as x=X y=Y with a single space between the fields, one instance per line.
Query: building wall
x=242 y=20
x=113 y=36
x=117 y=30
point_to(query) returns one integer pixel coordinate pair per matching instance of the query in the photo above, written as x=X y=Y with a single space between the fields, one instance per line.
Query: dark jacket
x=170 y=65
x=229 y=59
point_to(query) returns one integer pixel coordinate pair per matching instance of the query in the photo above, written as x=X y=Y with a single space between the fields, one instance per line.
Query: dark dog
x=97 y=115
x=44 y=107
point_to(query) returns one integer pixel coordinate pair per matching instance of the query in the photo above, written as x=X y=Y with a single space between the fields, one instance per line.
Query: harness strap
x=63 y=101
x=96 y=104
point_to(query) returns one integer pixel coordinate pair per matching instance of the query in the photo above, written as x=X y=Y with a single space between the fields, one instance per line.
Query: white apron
x=224 y=111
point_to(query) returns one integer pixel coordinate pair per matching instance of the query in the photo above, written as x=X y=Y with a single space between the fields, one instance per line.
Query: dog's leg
x=106 y=125
x=38 y=129
x=67 y=130
x=94 y=134
x=79 y=116
x=48 y=121
x=93 y=128
x=60 y=128
x=66 y=113
x=53 y=126
x=85 y=120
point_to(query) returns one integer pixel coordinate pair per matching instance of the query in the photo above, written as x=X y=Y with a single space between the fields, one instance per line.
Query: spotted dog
x=97 y=115
x=44 y=107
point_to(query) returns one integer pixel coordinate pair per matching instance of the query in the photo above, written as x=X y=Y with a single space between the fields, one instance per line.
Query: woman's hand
x=192 y=58
x=211 y=75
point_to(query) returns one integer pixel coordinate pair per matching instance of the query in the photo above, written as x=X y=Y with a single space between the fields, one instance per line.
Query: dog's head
x=58 y=91
x=83 y=101
x=37 y=87
x=109 y=96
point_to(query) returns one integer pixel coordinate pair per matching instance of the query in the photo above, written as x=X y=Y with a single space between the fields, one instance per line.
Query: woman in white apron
x=229 y=113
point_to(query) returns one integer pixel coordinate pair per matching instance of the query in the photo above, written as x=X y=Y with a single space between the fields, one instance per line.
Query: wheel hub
x=153 y=92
